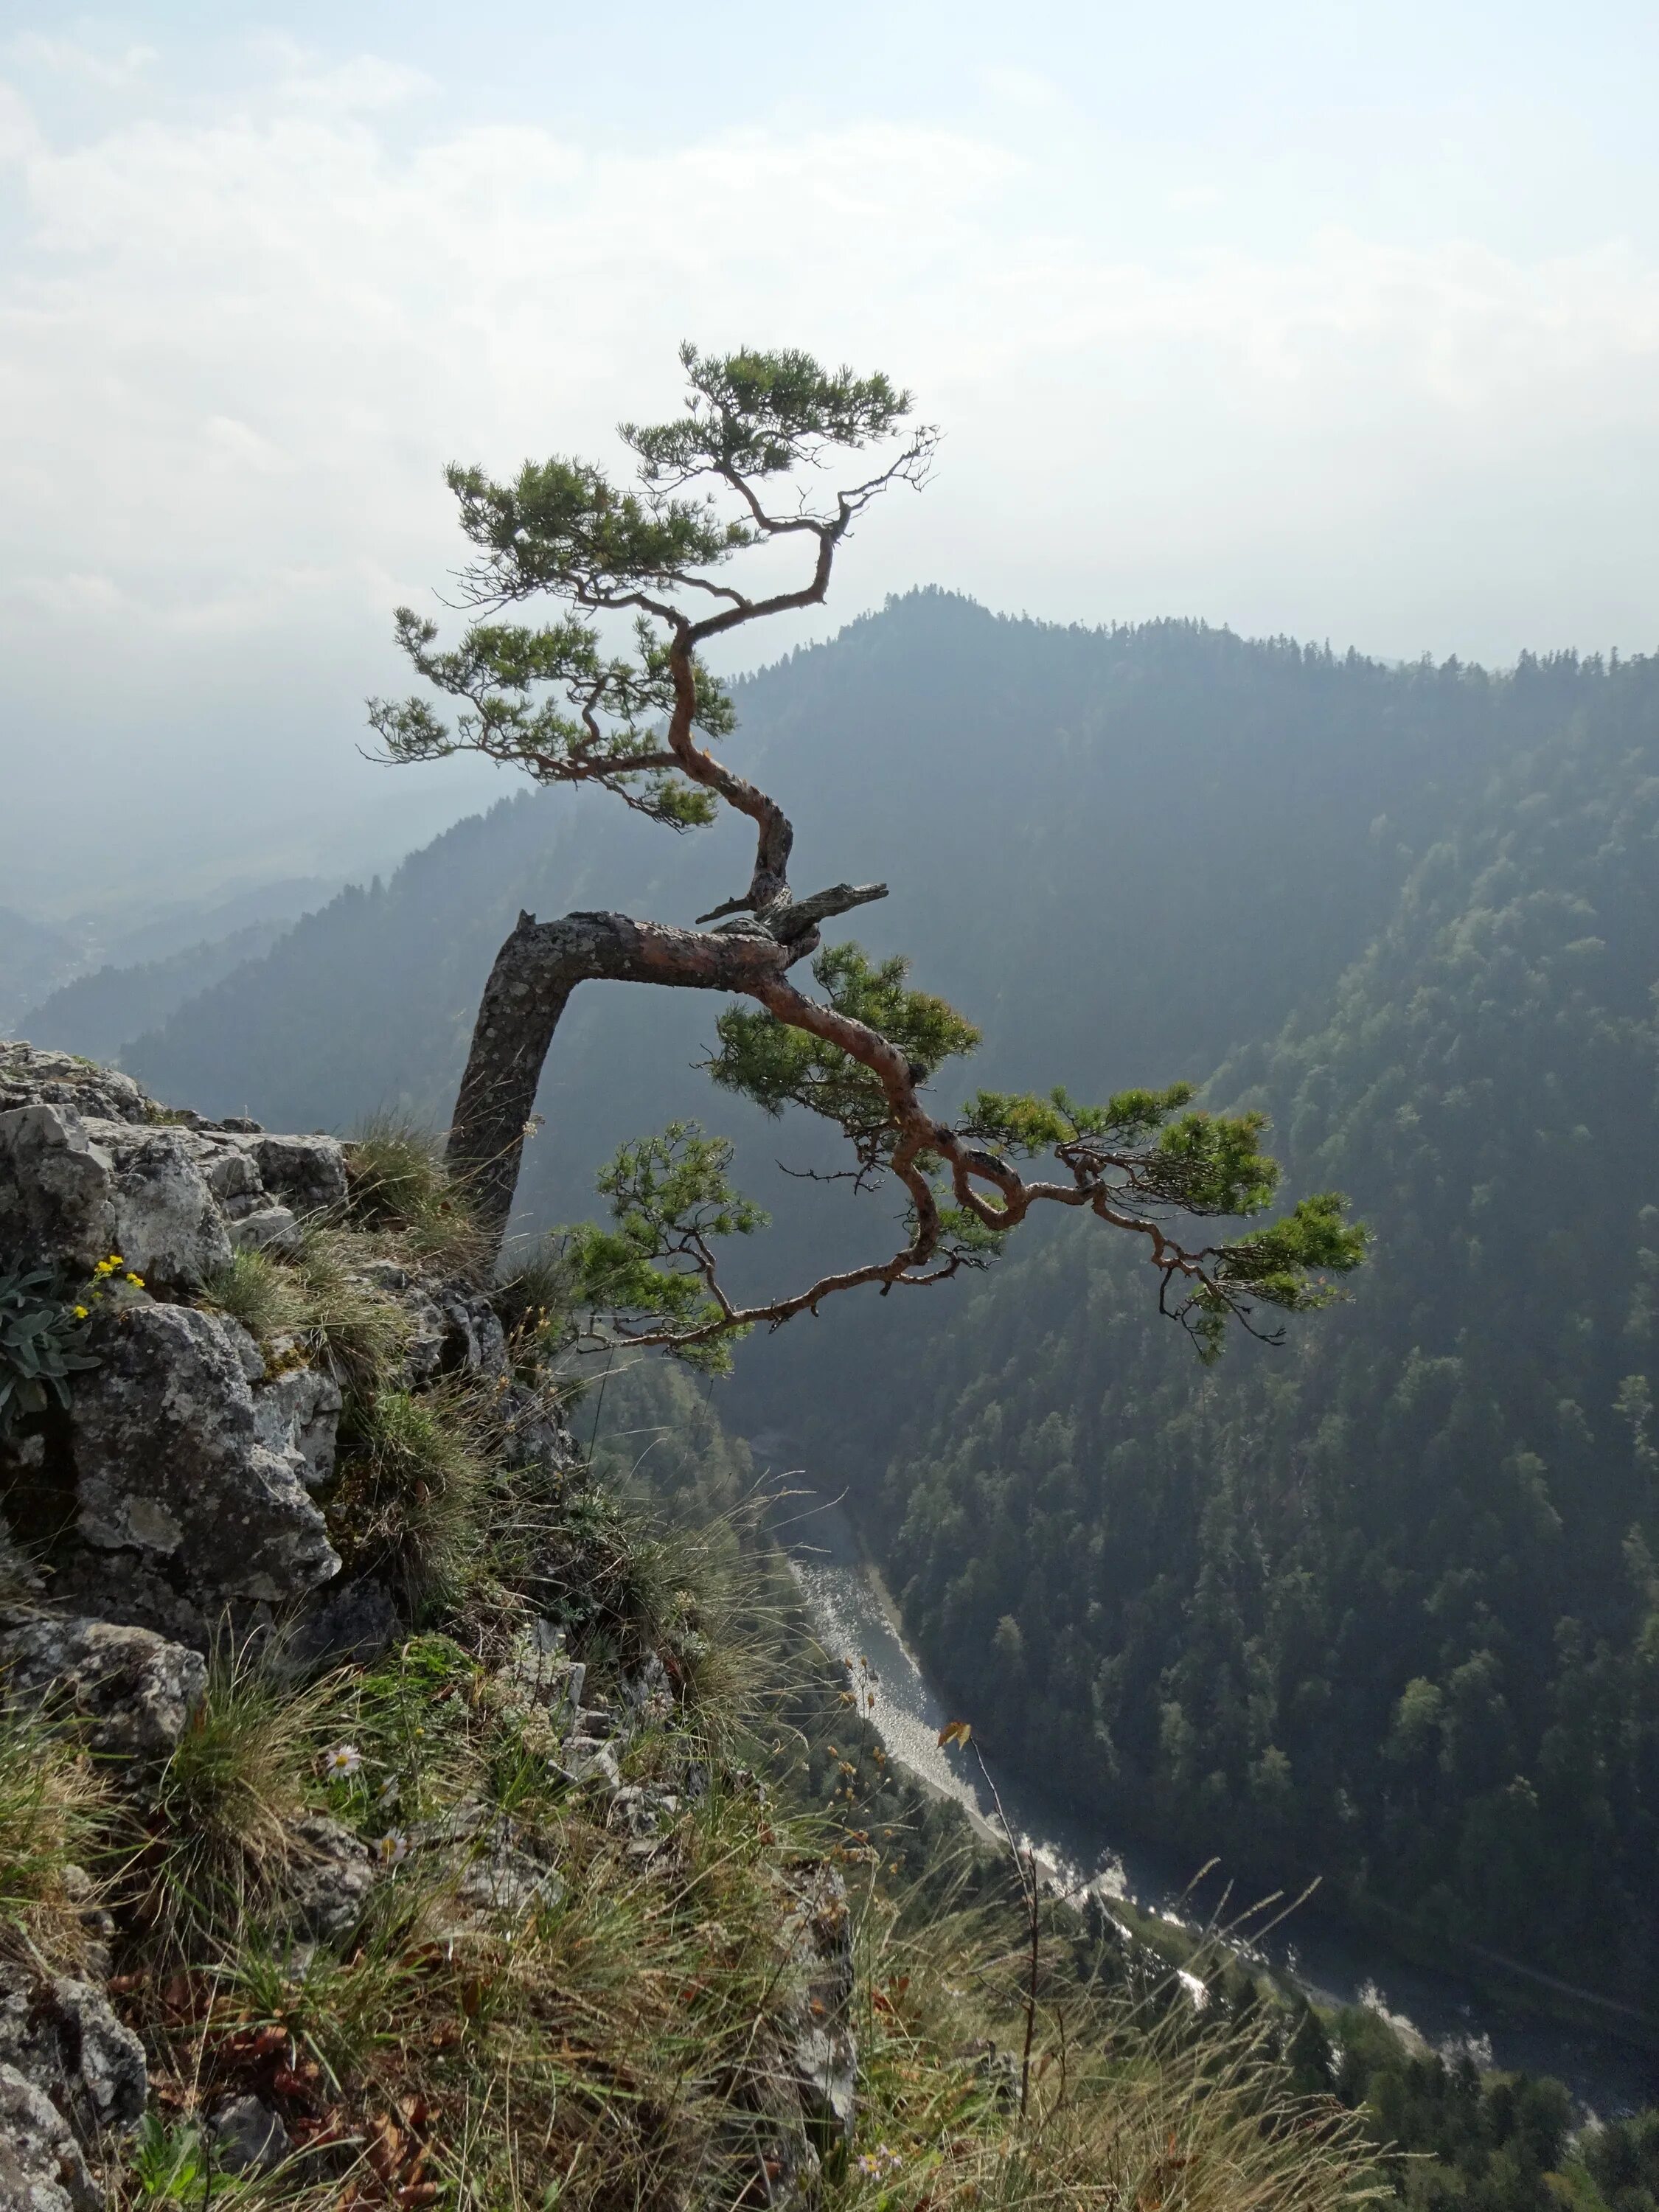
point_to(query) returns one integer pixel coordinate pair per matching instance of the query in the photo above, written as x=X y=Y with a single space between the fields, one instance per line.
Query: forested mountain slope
x=31 y=958
x=1384 y=1603
x=96 y=1013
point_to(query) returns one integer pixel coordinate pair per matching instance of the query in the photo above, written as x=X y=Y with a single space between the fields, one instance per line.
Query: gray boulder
x=271 y=1229
x=32 y=1076
x=135 y=1689
x=587 y=1758
x=307 y=1174
x=169 y=1463
x=248 y=2136
x=347 y=1622
x=41 y=2166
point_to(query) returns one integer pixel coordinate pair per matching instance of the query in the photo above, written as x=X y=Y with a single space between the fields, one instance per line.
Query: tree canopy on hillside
x=733 y=477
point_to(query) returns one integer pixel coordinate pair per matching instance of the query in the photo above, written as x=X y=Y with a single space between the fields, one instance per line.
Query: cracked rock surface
x=133 y=1689
x=170 y=1464
x=41 y=2166
x=59 y=2033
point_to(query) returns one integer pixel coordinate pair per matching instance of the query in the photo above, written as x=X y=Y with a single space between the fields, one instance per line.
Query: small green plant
x=168 y=2162
x=39 y=1344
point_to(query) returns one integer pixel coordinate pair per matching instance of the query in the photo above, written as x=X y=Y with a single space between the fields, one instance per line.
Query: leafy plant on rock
x=40 y=1345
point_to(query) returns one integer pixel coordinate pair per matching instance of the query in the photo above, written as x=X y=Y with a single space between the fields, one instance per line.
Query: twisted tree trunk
x=529 y=987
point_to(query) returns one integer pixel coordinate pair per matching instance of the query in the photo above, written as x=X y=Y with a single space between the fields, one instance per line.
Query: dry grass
x=600 y=2052
x=54 y=1822
x=267 y=1298
x=1137 y=2100
x=243 y=1770
x=413 y=1502
x=357 y=1331
x=318 y=1300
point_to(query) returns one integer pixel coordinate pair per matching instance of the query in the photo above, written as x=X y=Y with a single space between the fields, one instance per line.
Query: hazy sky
x=1337 y=321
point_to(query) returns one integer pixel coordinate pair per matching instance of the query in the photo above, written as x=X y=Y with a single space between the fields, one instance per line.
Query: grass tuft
x=266 y=1297
x=1135 y=2098
x=54 y=1817
x=534 y=1295
x=239 y=1774
x=359 y=1332
x=414 y=1502
x=398 y=1184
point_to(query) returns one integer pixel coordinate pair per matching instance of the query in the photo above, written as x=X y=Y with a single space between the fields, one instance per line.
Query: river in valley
x=1332 y=1963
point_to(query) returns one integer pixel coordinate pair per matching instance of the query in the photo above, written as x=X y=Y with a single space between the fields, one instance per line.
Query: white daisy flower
x=393 y=1849
x=344 y=1759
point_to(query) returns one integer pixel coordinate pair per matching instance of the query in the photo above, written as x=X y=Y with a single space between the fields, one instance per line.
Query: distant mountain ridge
x=95 y=1014
x=32 y=957
x=98 y=981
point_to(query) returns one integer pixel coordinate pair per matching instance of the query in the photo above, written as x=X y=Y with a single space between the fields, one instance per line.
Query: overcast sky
x=1335 y=320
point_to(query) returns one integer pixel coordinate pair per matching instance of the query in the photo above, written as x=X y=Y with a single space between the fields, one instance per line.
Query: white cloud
x=233 y=355
x=366 y=84
x=1020 y=88
x=67 y=58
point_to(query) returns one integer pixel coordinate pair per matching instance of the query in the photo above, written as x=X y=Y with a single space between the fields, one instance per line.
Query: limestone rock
x=267 y=1229
x=168 y=1227
x=29 y=1077
x=41 y=2166
x=326 y=1885
x=74 y=1190
x=170 y=1464
x=297 y=1416
x=474 y=1341
x=134 y=1689
x=498 y=1880
x=60 y=2034
x=346 y=1622
x=538 y=1671
x=248 y=2138
x=306 y=1174
x=89 y=1166
x=587 y=1758
x=817 y=1938
x=57 y=1191
x=648 y=1694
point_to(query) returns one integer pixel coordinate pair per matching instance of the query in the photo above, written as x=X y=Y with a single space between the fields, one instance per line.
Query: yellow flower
x=137 y=1281
x=80 y=1313
x=116 y=1260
